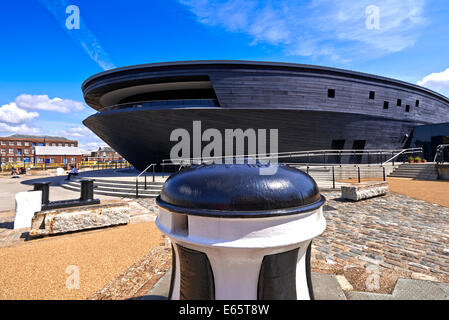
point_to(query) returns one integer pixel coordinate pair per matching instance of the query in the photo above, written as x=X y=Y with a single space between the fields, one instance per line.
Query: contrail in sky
x=82 y=36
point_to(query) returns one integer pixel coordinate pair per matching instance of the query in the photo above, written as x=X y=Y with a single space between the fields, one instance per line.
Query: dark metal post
x=87 y=189
x=307 y=169
x=153 y=171
x=137 y=188
x=383 y=172
x=358 y=173
x=45 y=188
x=145 y=180
x=333 y=178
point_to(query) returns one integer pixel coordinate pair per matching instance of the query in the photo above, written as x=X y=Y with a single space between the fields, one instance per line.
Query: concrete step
x=127 y=191
x=126 y=182
x=131 y=193
x=425 y=171
x=119 y=187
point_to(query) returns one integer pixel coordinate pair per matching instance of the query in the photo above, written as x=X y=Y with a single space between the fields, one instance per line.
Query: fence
x=93 y=165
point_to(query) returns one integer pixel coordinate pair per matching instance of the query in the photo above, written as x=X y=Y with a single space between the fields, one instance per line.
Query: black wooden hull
x=142 y=135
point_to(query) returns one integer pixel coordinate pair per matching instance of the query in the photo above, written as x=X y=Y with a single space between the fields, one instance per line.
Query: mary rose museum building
x=312 y=107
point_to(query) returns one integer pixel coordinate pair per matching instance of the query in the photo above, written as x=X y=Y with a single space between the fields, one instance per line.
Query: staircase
x=118 y=188
x=419 y=171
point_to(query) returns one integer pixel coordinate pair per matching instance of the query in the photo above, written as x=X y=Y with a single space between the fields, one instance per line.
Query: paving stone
x=326 y=287
x=404 y=233
x=357 y=295
x=410 y=289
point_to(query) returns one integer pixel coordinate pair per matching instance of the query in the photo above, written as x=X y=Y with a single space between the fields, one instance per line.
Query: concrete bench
x=79 y=218
x=364 y=190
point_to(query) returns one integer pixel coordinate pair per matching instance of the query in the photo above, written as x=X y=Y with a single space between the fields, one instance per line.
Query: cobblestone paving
x=393 y=232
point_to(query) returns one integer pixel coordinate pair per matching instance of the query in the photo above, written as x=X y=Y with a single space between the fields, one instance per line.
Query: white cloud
x=76 y=132
x=92 y=146
x=21 y=128
x=43 y=102
x=317 y=27
x=10 y=113
x=87 y=140
x=438 y=81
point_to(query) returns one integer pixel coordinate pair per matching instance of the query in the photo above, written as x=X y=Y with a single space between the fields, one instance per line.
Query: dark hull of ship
x=142 y=135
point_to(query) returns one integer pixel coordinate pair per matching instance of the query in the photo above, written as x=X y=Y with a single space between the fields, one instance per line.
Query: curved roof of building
x=162 y=66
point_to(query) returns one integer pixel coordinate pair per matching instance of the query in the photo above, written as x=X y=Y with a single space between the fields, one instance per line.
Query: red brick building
x=48 y=155
x=21 y=148
x=105 y=154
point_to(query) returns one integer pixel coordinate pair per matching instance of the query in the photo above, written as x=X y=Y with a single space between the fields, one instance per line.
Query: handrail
x=140 y=174
x=301 y=154
x=439 y=150
x=404 y=151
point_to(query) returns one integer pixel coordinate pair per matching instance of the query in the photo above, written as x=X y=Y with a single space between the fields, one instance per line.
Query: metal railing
x=380 y=171
x=403 y=152
x=378 y=155
x=440 y=153
x=340 y=173
x=144 y=172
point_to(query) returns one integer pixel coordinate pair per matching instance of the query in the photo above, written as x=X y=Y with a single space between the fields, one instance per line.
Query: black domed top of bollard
x=240 y=191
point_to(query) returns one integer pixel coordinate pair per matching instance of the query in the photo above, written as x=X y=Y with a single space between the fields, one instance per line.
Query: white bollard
x=239 y=235
x=27 y=203
x=59 y=172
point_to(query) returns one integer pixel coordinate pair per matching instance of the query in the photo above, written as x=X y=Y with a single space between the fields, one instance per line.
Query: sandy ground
x=40 y=269
x=431 y=191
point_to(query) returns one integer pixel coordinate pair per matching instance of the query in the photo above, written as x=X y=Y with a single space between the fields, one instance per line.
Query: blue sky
x=43 y=64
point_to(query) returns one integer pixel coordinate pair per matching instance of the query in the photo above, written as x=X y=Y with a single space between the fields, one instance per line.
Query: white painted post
x=27 y=203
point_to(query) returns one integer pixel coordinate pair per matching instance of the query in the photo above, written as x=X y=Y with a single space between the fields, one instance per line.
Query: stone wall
x=80 y=218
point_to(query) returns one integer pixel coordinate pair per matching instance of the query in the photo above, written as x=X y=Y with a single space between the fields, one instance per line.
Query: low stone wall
x=443 y=171
x=79 y=218
x=364 y=190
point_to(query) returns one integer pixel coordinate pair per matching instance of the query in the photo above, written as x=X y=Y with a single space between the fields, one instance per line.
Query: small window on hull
x=331 y=93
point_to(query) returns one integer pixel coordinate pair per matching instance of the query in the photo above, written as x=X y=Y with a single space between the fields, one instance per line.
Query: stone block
x=79 y=218
x=27 y=203
x=364 y=190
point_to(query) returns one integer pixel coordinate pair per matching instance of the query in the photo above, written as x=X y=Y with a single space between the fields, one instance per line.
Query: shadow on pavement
x=54 y=180
x=149 y=297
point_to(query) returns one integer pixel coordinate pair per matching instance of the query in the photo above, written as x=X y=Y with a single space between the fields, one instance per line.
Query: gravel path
x=42 y=268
